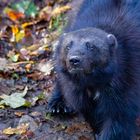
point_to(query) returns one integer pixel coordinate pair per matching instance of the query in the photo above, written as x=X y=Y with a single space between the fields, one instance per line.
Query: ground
x=28 y=33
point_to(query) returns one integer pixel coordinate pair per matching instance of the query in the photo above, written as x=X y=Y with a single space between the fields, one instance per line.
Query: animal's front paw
x=56 y=106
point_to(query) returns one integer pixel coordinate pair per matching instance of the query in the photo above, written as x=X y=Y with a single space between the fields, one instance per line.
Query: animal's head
x=85 y=50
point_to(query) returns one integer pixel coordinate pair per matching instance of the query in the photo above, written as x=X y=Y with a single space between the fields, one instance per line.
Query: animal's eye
x=90 y=46
x=68 y=47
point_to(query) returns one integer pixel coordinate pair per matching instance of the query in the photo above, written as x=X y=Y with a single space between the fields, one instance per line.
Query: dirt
x=15 y=76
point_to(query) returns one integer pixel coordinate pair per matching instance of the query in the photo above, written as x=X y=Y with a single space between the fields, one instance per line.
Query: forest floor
x=29 y=30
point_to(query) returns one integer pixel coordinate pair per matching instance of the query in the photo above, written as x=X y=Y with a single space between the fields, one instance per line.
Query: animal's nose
x=75 y=61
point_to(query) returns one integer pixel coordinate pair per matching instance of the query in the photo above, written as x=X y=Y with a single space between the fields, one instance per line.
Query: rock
x=27 y=119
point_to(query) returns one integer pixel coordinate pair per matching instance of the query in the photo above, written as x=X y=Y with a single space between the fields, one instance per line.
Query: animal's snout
x=74 y=61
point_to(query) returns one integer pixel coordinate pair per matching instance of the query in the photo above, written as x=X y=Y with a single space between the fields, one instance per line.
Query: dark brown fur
x=98 y=68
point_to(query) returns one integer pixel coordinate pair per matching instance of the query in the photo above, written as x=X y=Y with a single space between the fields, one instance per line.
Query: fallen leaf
x=15 y=29
x=25 y=54
x=13 y=56
x=19 y=130
x=19 y=114
x=20 y=35
x=28 y=67
x=34 y=100
x=3 y=63
x=35 y=114
x=30 y=134
x=9 y=131
x=26 y=24
x=49 y=117
x=45 y=13
x=15 y=100
x=12 y=14
x=33 y=47
x=60 y=127
x=78 y=127
x=22 y=128
x=36 y=75
x=2 y=106
x=46 y=67
x=60 y=10
x=84 y=138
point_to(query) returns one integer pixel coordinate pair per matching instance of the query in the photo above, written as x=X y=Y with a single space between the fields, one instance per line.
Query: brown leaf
x=36 y=75
x=19 y=114
x=84 y=138
x=78 y=127
x=28 y=67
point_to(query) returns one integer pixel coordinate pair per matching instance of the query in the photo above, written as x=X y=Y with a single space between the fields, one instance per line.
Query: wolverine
x=97 y=62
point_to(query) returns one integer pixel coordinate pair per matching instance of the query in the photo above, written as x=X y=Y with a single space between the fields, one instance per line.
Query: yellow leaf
x=20 y=35
x=9 y=131
x=26 y=24
x=45 y=13
x=33 y=47
x=50 y=23
x=17 y=34
x=2 y=106
x=15 y=29
x=28 y=67
x=22 y=128
x=19 y=130
x=60 y=10
x=7 y=10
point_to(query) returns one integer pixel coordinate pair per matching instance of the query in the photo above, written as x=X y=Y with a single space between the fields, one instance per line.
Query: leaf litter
x=29 y=31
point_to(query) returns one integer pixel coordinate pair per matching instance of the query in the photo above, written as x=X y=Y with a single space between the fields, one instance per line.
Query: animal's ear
x=112 y=41
x=60 y=39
